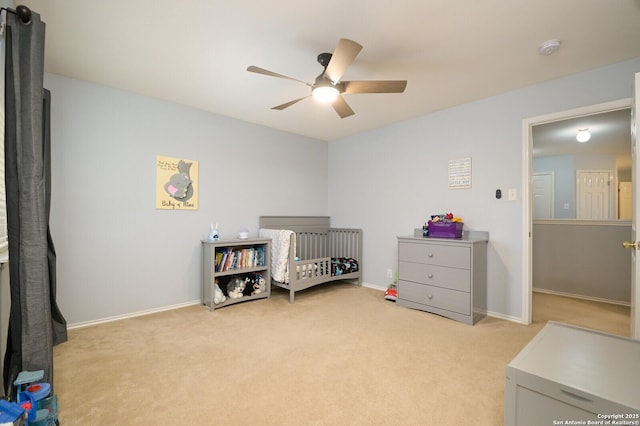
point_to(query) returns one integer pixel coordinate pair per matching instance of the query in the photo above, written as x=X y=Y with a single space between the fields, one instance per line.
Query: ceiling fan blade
x=344 y=55
x=288 y=104
x=342 y=108
x=375 y=86
x=259 y=70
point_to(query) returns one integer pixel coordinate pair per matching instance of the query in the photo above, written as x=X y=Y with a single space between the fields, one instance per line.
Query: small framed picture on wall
x=460 y=173
x=176 y=183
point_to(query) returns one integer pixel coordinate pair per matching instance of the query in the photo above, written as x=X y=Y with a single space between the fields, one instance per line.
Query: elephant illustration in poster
x=180 y=185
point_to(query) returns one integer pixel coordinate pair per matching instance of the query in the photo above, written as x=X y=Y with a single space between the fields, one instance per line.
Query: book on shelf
x=260 y=254
x=229 y=259
x=218 y=260
x=221 y=258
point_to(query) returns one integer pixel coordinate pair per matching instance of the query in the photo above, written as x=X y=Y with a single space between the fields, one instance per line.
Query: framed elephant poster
x=176 y=183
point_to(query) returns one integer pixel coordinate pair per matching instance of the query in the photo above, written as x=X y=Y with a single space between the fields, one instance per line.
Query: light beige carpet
x=341 y=355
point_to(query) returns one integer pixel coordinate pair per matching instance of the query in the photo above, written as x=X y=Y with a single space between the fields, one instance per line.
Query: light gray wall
x=583 y=258
x=564 y=180
x=390 y=180
x=117 y=254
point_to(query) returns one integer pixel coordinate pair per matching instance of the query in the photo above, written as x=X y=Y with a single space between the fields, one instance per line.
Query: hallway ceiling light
x=583 y=135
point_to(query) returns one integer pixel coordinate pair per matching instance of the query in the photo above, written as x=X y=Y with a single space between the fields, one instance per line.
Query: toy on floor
x=392 y=291
x=35 y=398
x=11 y=413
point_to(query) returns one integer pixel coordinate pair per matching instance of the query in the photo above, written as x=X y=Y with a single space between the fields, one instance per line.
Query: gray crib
x=316 y=245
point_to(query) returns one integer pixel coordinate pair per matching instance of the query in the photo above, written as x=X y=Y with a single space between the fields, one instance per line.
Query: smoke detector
x=549 y=46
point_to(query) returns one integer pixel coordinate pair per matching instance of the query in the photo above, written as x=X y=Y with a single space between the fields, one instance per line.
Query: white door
x=543 y=195
x=625 y=200
x=594 y=188
x=635 y=221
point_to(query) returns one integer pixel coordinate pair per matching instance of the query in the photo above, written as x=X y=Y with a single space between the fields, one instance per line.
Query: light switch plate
x=513 y=194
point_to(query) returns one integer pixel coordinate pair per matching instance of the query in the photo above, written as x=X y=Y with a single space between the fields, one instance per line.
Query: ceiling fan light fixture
x=325 y=94
x=583 y=135
x=328 y=86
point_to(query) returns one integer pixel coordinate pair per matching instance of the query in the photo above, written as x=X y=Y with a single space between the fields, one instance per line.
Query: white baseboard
x=198 y=302
x=498 y=315
x=132 y=315
x=375 y=287
x=578 y=296
x=489 y=313
x=162 y=309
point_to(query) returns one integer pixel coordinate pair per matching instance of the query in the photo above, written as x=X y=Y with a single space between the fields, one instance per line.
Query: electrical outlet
x=389 y=273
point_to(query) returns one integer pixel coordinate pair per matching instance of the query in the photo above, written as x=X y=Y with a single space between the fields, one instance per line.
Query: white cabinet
x=226 y=260
x=568 y=373
x=444 y=276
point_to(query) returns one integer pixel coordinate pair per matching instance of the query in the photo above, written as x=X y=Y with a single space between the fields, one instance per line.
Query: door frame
x=527 y=181
x=620 y=185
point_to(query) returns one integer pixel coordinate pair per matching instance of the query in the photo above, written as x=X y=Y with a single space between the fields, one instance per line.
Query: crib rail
x=311 y=245
x=338 y=242
x=346 y=242
x=313 y=268
x=306 y=273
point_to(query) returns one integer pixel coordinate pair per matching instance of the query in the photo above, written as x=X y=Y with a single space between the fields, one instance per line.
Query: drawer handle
x=430 y=275
x=430 y=296
x=430 y=255
x=576 y=396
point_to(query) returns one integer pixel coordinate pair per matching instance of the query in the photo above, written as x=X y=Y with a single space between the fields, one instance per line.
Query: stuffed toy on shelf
x=235 y=287
x=218 y=295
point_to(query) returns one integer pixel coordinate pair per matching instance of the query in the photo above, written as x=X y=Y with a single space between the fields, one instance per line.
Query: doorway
x=528 y=170
x=542 y=187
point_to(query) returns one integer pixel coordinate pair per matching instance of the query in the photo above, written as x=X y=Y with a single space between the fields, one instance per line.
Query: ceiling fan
x=328 y=87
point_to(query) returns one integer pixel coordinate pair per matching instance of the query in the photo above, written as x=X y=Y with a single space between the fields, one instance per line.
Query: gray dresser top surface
x=599 y=363
x=467 y=237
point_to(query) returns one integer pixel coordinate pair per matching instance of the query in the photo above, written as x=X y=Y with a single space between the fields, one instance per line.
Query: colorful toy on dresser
x=443 y=226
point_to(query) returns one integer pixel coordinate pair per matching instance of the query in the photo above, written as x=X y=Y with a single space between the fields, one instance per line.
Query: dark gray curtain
x=36 y=324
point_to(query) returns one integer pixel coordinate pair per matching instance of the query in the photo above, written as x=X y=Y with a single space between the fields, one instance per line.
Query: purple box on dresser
x=445 y=229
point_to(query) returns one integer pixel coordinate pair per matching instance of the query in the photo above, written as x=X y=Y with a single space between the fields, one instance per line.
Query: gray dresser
x=570 y=374
x=444 y=276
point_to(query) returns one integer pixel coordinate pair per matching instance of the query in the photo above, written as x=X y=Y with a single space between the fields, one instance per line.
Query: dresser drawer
x=450 y=300
x=452 y=278
x=434 y=254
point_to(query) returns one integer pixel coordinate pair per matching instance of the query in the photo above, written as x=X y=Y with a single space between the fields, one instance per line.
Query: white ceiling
x=195 y=52
x=610 y=134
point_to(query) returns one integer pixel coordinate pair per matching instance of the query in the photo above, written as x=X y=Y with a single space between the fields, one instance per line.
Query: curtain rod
x=23 y=12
